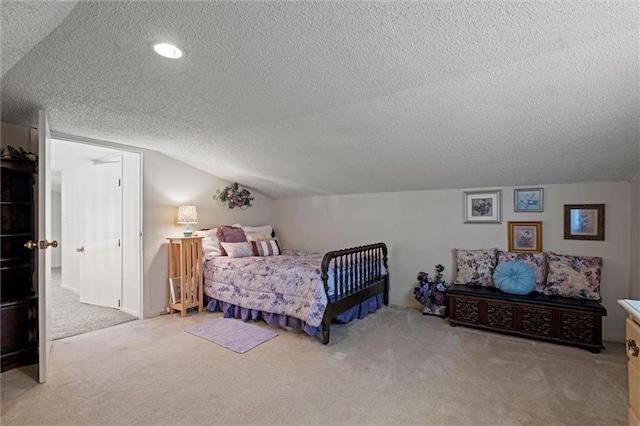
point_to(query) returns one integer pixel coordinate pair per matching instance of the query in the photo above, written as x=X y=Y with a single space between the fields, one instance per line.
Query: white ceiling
x=306 y=98
x=66 y=155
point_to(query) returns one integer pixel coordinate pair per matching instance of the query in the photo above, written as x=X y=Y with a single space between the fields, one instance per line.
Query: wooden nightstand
x=632 y=327
x=185 y=264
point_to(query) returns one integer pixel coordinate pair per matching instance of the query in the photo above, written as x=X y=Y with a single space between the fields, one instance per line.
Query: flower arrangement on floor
x=431 y=292
x=233 y=196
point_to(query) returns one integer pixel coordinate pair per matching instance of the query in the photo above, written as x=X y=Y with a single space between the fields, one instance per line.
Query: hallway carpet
x=70 y=317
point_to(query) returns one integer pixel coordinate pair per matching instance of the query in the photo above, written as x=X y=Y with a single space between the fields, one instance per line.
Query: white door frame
x=140 y=152
x=42 y=241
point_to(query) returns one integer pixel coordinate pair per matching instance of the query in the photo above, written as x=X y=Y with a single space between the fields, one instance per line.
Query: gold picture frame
x=525 y=237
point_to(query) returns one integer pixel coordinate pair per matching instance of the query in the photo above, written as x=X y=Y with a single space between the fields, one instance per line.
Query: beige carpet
x=394 y=367
x=70 y=317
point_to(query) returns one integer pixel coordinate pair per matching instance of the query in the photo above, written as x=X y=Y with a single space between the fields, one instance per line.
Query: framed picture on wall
x=525 y=237
x=584 y=222
x=482 y=206
x=527 y=200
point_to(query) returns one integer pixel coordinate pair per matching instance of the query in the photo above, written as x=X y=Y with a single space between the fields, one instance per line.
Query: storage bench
x=556 y=319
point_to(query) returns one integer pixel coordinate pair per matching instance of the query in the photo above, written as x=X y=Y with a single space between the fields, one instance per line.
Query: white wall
x=421 y=228
x=18 y=137
x=56 y=228
x=634 y=282
x=169 y=183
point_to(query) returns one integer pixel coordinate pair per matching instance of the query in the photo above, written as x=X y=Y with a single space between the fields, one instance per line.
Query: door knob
x=80 y=249
x=43 y=244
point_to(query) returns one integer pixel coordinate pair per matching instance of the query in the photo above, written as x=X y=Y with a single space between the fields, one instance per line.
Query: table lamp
x=187 y=215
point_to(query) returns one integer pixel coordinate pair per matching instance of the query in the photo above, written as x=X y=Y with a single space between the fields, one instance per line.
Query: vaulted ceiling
x=308 y=98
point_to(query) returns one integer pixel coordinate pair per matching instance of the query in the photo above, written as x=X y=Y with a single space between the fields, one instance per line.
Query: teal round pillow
x=514 y=278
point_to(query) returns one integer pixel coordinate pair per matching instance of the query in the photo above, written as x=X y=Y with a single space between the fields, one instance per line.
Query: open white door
x=44 y=253
x=101 y=233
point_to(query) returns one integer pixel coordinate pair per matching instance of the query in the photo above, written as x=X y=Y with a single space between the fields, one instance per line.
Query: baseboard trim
x=155 y=313
x=75 y=290
x=613 y=338
x=130 y=312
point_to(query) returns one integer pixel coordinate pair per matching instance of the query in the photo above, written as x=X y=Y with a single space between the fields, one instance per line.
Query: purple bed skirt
x=245 y=314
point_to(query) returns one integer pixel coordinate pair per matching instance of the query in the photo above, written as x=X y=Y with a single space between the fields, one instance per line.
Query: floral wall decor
x=233 y=197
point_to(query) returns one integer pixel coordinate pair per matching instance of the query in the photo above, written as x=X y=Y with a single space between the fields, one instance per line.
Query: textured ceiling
x=25 y=24
x=306 y=98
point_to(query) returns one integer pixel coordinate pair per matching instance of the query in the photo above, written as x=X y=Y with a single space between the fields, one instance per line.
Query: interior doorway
x=96 y=218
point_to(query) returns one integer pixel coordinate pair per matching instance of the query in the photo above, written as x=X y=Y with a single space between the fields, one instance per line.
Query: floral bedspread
x=288 y=284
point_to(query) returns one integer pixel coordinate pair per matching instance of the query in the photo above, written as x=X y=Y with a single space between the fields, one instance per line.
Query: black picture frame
x=584 y=222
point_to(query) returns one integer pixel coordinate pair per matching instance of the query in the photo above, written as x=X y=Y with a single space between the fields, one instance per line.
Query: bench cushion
x=531 y=298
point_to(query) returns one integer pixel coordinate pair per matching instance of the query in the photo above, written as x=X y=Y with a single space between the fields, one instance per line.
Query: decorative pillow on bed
x=210 y=243
x=574 y=276
x=514 y=277
x=266 y=247
x=538 y=261
x=255 y=236
x=237 y=249
x=266 y=230
x=230 y=234
x=475 y=267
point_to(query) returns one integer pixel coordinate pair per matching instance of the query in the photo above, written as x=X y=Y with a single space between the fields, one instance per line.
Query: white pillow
x=243 y=249
x=265 y=230
x=210 y=243
x=208 y=233
x=254 y=236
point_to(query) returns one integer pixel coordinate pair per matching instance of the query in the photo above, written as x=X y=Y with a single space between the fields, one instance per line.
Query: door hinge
x=119 y=182
x=118 y=242
x=118 y=303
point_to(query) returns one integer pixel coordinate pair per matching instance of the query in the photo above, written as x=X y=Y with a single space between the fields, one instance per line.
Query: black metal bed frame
x=357 y=275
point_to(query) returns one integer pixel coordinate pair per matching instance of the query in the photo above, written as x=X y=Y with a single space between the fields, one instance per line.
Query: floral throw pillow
x=574 y=276
x=538 y=261
x=475 y=267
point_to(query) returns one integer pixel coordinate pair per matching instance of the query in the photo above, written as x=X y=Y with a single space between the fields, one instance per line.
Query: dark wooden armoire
x=19 y=307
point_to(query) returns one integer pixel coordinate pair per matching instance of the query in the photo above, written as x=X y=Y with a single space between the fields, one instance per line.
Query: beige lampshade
x=187 y=214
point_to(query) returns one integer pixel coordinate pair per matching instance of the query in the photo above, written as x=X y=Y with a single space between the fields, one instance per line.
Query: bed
x=300 y=290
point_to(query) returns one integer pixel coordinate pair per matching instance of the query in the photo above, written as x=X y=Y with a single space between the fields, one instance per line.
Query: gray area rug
x=69 y=317
x=232 y=334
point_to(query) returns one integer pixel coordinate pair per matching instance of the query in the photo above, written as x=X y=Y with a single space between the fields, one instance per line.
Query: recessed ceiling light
x=167 y=50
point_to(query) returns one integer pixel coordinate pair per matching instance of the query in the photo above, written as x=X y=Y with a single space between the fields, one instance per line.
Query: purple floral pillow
x=475 y=267
x=538 y=261
x=574 y=276
x=230 y=234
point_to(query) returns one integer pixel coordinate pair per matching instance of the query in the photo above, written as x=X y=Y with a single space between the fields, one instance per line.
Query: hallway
x=70 y=317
